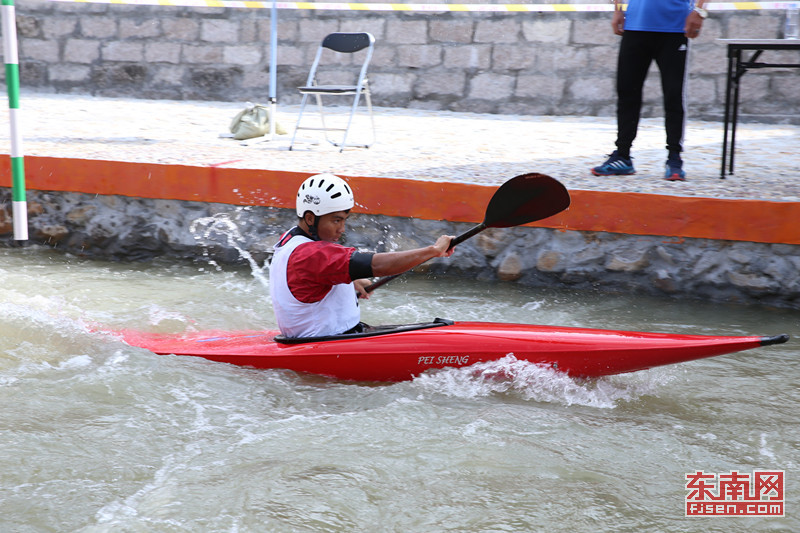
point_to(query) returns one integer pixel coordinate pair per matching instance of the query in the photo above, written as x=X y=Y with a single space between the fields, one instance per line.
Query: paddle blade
x=524 y=199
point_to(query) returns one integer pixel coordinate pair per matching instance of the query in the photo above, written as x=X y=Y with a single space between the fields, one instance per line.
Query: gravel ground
x=416 y=144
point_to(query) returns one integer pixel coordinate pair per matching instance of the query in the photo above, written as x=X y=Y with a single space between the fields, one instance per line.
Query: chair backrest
x=345 y=43
x=348 y=43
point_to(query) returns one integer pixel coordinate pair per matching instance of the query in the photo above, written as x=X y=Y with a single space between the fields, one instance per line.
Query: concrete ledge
x=615 y=212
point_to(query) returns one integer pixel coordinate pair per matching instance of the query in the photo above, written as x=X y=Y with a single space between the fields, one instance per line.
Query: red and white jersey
x=311 y=287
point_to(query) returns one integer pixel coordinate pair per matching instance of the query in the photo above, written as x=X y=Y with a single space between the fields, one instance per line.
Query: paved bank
x=416 y=144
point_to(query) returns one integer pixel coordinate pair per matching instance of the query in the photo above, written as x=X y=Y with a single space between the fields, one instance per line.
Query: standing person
x=652 y=30
x=314 y=282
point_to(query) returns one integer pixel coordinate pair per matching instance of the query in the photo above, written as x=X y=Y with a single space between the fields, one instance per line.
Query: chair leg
x=299 y=118
x=368 y=99
x=349 y=122
x=369 y=109
x=322 y=117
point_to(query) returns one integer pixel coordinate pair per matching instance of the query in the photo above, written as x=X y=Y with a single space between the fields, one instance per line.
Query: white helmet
x=322 y=194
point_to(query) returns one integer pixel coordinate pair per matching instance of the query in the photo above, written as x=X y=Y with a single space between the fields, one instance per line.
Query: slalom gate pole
x=19 y=205
x=273 y=68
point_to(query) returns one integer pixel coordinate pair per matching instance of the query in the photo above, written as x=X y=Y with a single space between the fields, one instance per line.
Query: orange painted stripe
x=683 y=216
x=628 y=213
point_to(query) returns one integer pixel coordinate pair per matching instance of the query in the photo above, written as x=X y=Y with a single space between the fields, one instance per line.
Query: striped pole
x=273 y=68
x=19 y=205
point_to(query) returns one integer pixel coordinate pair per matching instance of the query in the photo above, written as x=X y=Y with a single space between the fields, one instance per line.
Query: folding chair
x=341 y=43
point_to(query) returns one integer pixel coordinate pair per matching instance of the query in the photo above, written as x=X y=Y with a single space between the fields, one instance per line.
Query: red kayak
x=397 y=353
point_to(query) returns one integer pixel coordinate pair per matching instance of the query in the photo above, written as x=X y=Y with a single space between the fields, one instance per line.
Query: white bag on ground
x=253 y=121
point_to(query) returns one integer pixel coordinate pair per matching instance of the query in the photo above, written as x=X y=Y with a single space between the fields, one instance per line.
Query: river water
x=98 y=436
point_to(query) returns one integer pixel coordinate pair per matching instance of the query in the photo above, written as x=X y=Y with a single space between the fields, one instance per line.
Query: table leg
x=727 y=115
x=737 y=77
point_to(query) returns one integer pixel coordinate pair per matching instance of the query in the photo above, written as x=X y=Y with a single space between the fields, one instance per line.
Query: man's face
x=331 y=226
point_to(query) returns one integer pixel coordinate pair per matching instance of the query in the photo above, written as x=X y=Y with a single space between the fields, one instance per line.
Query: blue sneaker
x=615 y=166
x=674 y=171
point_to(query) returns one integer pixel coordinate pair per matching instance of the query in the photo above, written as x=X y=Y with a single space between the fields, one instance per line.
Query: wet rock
x=708 y=261
x=665 y=255
x=784 y=249
x=510 y=268
x=261 y=250
x=51 y=234
x=81 y=215
x=778 y=268
x=6 y=224
x=752 y=282
x=168 y=208
x=569 y=240
x=551 y=261
x=466 y=259
x=35 y=209
x=664 y=282
x=740 y=256
x=393 y=243
x=591 y=255
x=631 y=261
x=491 y=241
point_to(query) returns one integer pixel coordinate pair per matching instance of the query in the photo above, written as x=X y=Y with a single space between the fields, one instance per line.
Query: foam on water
x=207 y=229
x=529 y=381
x=158 y=316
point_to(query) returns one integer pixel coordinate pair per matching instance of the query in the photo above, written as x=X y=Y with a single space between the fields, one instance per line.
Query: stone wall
x=123 y=228
x=529 y=63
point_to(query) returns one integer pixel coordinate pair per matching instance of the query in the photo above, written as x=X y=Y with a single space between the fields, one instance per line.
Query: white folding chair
x=340 y=43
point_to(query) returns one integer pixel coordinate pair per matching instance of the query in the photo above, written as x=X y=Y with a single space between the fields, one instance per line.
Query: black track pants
x=638 y=50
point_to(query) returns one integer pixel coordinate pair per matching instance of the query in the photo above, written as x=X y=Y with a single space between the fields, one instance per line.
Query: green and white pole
x=19 y=205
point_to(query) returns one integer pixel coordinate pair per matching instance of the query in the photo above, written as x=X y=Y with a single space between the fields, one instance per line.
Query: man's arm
x=391 y=263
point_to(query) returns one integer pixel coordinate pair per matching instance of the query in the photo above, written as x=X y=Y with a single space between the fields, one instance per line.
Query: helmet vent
x=329 y=187
x=337 y=195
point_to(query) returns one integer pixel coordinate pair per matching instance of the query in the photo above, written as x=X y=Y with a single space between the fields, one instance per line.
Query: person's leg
x=672 y=60
x=633 y=63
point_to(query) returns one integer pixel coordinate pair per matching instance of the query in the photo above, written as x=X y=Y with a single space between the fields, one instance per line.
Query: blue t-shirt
x=658 y=15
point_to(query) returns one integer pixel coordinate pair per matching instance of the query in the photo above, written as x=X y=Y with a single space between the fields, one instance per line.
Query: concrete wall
x=125 y=228
x=530 y=63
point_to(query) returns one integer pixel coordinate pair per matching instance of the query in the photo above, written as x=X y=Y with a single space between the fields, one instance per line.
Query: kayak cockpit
x=369 y=331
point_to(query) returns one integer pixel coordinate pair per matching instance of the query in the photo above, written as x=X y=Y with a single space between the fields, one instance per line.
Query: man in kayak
x=315 y=283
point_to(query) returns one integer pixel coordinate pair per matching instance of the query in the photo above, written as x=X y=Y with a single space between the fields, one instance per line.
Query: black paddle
x=520 y=200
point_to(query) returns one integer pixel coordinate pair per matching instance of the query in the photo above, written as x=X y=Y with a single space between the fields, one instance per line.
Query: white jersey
x=335 y=313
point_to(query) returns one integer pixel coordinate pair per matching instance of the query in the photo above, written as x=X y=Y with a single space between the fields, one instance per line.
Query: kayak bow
x=397 y=353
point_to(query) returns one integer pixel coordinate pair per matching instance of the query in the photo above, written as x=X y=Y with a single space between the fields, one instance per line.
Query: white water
x=98 y=436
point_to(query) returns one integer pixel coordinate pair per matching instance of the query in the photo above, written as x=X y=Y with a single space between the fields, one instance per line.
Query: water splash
x=532 y=382
x=167 y=319
x=207 y=231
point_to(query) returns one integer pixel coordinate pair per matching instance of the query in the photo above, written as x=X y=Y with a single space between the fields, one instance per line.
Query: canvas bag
x=253 y=121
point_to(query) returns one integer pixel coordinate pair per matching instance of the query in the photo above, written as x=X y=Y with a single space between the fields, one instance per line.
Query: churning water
x=98 y=436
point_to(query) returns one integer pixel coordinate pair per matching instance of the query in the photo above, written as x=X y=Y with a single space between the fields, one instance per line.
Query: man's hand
x=361 y=285
x=442 y=244
x=693 y=24
x=618 y=22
